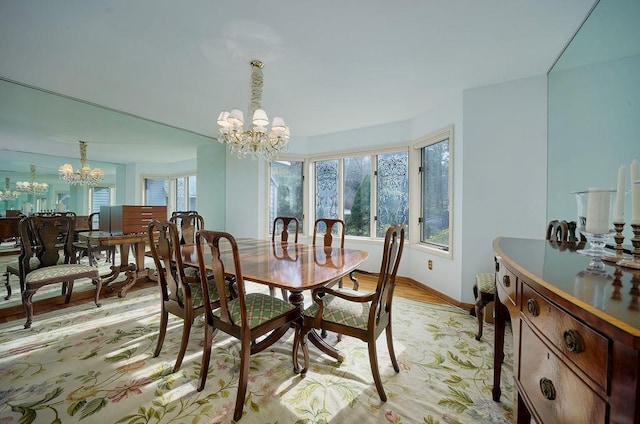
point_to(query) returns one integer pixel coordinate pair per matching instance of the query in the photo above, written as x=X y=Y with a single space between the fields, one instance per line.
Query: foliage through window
x=286 y=190
x=436 y=179
x=344 y=189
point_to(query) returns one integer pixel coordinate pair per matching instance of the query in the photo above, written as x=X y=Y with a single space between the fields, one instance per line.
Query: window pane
x=191 y=183
x=156 y=192
x=435 y=194
x=327 y=189
x=357 y=189
x=181 y=203
x=393 y=191
x=286 y=188
x=100 y=196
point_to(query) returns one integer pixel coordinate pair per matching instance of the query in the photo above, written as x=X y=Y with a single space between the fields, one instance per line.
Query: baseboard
x=433 y=292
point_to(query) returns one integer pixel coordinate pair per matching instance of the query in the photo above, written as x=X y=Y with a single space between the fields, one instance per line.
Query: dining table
x=126 y=242
x=295 y=267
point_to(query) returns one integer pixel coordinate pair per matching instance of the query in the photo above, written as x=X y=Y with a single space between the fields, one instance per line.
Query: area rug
x=86 y=364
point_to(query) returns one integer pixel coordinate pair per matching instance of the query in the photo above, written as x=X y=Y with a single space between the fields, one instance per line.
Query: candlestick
x=619 y=215
x=619 y=238
x=634 y=170
x=635 y=241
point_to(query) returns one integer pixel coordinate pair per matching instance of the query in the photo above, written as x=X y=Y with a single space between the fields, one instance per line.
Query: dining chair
x=247 y=317
x=188 y=223
x=47 y=257
x=179 y=297
x=281 y=226
x=358 y=314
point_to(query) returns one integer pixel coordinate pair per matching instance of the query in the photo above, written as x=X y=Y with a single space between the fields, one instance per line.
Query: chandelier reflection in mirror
x=258 y=141
x=84 y=174
x=32 y=187
x=8 y=194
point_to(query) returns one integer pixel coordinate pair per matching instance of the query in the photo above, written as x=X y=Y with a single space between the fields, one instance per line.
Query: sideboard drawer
x=506 y=282
x=556 y=393
x=578 y=342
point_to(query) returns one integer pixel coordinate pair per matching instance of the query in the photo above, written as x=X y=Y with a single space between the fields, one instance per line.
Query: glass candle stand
x=595 y=207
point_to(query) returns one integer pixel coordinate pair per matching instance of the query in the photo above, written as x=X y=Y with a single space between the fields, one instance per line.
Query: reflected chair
x=179 y=297
x=85 y=249
x=247 y=317
x=283 y=224
x=47 y=241
x=188 y=223
x=358 y=314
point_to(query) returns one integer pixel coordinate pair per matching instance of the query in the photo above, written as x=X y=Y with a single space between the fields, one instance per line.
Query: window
x=99 y=196
x=344 y=188
x=436 y=182
x=286 y=179
x=177 y=193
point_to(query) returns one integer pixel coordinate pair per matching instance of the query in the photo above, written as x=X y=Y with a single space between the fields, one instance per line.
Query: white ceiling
x=329 y=66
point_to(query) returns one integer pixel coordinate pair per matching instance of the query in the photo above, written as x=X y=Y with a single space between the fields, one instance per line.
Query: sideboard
x=576 y=334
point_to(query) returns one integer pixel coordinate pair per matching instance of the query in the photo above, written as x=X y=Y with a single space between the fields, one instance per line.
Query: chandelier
x=259 y=140
x=84 y=174
x=8 y=194
x=32 y=186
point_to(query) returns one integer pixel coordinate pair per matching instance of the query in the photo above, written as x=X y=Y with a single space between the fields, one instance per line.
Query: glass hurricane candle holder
x=595 y=209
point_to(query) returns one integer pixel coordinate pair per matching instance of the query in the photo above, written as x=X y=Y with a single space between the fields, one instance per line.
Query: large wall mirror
x=594 y=107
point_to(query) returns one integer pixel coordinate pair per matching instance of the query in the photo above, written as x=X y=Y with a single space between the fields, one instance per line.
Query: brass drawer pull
x=547 y=389
x=506 y=281
x=572 y=341
x=532 y=307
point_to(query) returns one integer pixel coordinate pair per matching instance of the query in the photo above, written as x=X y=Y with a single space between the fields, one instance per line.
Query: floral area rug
x=88 y=364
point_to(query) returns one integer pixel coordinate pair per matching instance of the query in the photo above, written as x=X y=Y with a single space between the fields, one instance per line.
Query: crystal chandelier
x=258 y=141
x=84 y=174
x=8 y=194
x=32 y=186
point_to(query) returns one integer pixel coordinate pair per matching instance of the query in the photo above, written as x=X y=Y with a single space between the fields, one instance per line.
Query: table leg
x=297 y=298
x=501 y=313
x=136 y=271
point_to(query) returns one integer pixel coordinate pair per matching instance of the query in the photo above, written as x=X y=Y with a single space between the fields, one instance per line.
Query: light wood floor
x=367 y=282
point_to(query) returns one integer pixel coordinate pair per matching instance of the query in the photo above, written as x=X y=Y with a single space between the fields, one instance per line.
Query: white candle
x=635 y=192
x=598 y=210
x=619 y=216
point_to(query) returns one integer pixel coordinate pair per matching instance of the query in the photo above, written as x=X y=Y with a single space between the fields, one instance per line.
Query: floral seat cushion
x=59 y=272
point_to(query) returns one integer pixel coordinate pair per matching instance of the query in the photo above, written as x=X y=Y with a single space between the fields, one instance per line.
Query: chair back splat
x=358 y=314
x=329 y=225
x=286 y=222
x=188 y=223
x=245 y=316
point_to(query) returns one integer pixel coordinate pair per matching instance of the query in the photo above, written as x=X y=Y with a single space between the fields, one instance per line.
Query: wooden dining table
x=295 y=267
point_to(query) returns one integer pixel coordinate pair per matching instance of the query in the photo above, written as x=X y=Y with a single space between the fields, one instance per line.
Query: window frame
x=305 y=192
x=172 y=194
x=415 y=191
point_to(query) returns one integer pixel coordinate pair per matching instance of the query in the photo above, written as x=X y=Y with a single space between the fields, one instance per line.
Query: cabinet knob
x=547 y=389
x=572 y=341
x=506 y=281
x=532 y=307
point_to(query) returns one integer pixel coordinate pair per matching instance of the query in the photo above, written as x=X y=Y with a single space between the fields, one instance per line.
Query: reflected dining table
x=295 y=267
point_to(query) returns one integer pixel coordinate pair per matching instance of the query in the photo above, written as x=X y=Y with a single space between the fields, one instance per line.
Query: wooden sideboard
x=576 y=334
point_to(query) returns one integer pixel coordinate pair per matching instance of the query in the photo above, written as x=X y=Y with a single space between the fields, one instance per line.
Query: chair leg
x=7 y=285
x=285 y=295
x=164 y=318
x=69 y=290
x=206 y=355
x=245 y=357
x=480 y=304
x=186 y=330
x=98 y=283
x=373 y=360
x=27 y=303
x=272 y=291
x=392 y=353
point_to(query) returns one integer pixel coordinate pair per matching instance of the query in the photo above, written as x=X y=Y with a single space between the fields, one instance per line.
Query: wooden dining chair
x=85 y=248
x=47 y=257
x=179 y=297
x=247 y=317
x=188 y=223
x=358 y=314
x=284 y=226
